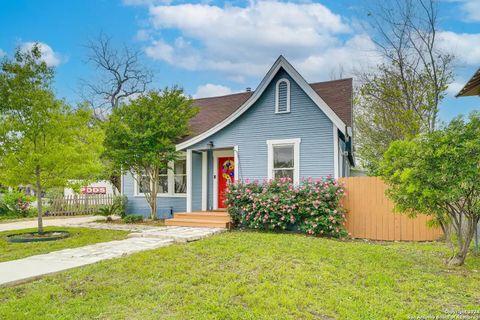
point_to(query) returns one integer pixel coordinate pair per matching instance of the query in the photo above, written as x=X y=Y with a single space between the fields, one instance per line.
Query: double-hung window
x=143 y=184
x=284 y=159
x=171 y=182
x=180 y=176
x=163 y=181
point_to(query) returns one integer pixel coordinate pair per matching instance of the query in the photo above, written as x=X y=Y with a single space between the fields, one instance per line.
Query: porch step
x=197 y=223
x=200 y=219
x=212 y=216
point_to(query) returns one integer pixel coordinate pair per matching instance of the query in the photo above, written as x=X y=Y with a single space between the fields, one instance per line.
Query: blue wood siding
x=139 y=205
x=250 y=132
x=260 y=123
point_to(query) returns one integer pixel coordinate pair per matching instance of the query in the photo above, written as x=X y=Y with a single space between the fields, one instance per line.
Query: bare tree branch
x=121 y=75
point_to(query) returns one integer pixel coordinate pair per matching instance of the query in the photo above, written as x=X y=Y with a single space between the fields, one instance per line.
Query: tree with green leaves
x=384 y=113
x=44 y=142
x=437 y=174
x=141 y=136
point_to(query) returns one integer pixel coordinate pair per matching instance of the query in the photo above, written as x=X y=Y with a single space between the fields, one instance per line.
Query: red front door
x=225 y=174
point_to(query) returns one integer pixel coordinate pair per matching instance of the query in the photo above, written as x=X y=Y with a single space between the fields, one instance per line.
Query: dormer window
x=282 y=96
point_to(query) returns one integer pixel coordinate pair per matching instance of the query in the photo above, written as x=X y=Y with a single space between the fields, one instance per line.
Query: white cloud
x=50 y=57
x=357 y=53
x=456 y=86
x=244 y=41
x=142 y=35
x=471 y=9
x=465 y=46
x=211 y=90
x=2 y=53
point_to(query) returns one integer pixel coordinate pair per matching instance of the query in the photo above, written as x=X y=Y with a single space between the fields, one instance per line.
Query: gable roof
x=472 y=88
x=334 y=98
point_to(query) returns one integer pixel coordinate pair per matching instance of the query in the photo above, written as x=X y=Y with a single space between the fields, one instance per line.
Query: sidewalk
x=30 y=268
x=47 y=222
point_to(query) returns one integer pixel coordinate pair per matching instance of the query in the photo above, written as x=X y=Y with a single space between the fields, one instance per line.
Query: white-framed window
x=180 y=176
x=172 y=182
x=284 y=159
x=144 y=183
x=282 y=96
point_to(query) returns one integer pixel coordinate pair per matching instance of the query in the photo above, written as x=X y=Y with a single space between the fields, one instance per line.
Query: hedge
x=312 y=207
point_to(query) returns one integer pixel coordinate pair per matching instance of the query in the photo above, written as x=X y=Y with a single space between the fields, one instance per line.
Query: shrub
x=4 y=211
x=312 y=207
x=118 y=207
x=133 y=218
x=16 y=203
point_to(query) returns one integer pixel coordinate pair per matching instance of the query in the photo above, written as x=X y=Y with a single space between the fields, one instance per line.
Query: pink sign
x=93 y=190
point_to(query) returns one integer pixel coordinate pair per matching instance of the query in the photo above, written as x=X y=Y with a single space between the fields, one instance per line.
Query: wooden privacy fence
x=370 y=214
x=79 y=204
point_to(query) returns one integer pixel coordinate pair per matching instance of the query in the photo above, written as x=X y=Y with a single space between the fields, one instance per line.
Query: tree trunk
x=115 y=181
x=153 y=194
x=153 y=212
x=39 y=200
x=464 y=241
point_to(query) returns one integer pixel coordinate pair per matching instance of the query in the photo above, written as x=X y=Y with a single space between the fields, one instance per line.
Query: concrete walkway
x=143 y=238
x=48 y=222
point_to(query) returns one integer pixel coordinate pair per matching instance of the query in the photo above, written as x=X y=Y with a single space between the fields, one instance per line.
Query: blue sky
x=213 y=47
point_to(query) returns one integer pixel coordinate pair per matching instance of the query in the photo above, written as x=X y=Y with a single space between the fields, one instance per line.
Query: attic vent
x=282 y=96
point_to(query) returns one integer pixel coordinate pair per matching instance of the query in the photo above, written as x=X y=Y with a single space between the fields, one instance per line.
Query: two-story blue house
x=285 y=128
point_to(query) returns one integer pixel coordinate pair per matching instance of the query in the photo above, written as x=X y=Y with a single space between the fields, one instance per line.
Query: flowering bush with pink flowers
x=313 y=207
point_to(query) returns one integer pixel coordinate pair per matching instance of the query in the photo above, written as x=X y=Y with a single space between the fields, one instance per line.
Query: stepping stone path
x=142 y=238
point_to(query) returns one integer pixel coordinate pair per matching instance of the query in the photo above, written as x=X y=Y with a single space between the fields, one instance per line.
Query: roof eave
x=472 y=87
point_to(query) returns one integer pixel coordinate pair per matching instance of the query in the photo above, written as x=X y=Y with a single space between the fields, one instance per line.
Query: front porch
x=212 y=219
x=208 y=171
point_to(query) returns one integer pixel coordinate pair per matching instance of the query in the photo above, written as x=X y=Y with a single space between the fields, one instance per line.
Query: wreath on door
x=228 y=170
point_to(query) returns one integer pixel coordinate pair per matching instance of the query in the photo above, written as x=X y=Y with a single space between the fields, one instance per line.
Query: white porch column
x=236 y=163
x=204 y=180
x=189 y=180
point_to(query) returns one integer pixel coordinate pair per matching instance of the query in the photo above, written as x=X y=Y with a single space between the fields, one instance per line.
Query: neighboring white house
x=99 y=187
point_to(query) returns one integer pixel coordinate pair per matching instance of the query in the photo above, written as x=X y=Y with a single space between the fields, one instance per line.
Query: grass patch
x=250 y=275
x=78 y=237
x=14 y=217
x=146 y=222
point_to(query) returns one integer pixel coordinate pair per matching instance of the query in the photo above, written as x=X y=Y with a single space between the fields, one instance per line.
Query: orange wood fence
x=370 y=214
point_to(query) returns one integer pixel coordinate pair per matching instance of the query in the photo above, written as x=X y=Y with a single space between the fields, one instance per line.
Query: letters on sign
x=93 y=190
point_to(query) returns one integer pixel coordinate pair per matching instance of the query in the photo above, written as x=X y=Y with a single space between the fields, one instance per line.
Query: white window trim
x=296 y=156
x=277 y=92
x=171 y=185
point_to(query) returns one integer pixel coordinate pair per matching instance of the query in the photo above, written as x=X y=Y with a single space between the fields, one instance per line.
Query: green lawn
x=248 y=275
x=78 y=237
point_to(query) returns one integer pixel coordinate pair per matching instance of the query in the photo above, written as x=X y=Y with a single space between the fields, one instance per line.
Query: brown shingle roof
x=337 y=94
